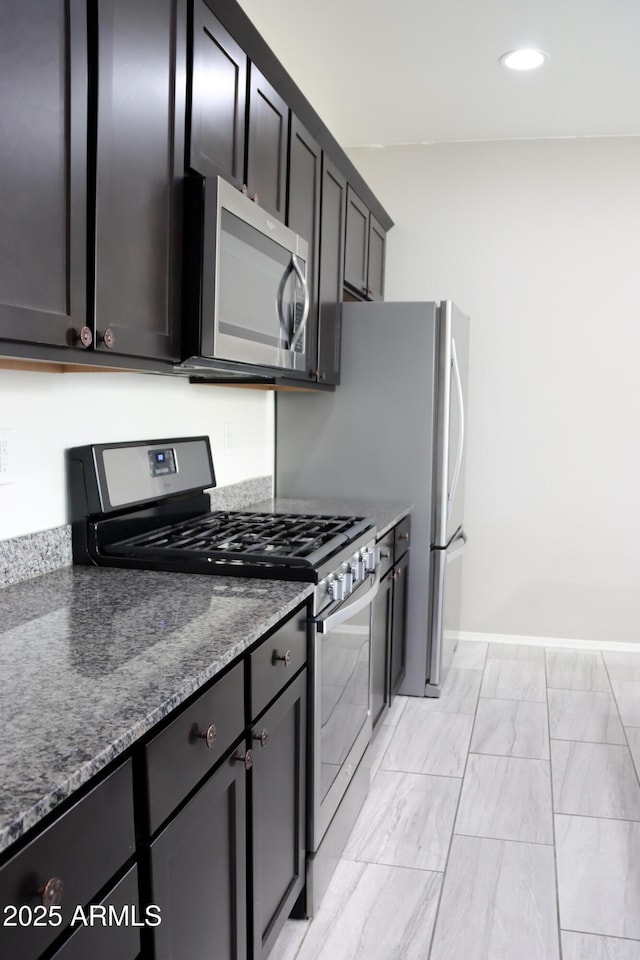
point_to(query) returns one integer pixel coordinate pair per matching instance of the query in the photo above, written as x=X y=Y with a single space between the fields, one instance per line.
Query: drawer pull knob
x=51 y=893
x=246 y=758
x=262 y=737
x=285 y=657
x=384 y=555
x=403 y=536
x=210 y=735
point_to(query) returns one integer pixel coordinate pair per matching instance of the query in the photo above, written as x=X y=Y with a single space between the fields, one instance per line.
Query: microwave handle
x=307 y=301
x=286 y=333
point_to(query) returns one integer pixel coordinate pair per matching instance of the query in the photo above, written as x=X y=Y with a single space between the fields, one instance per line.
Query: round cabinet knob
x=245 y=189
x=51 y=893
x=108 y=337
x=285 y=658
x=82 y=337
x=256 y=198
x=246 y=758
x=210 y=735
x=403 y=536
x=262 y=737
x=369 y=293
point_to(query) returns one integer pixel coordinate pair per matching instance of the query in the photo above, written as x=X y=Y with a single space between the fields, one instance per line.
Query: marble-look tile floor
x=503 y=821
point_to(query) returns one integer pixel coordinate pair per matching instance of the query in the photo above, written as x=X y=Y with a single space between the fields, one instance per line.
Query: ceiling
x=423 y=71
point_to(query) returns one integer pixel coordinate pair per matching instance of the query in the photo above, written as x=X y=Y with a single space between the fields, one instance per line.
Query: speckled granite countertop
x=385 y=513
x=92 y=658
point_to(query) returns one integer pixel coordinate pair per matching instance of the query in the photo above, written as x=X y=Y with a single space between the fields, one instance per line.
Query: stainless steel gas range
x=143 y=505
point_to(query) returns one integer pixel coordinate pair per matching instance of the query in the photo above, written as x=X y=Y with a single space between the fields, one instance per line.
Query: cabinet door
x=139 y=172
x=68 y=863
x=303 y=216
x=380 y=635
x=278 y=813
x=331 y=271
x=375 y=268
x=356 y=254
x=399 y=623
x=43 y=167
x=198 y=873
x=267 y=145
x=218 y=99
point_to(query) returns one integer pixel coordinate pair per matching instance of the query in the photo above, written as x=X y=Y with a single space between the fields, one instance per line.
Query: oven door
x=255 y=299
x=342 y=706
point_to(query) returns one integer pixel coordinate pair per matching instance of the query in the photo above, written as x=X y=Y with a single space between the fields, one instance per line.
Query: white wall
x=539 y=242
x=48 y=412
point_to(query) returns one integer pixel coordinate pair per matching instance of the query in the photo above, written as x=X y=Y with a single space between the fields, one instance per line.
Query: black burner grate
x=287 y=539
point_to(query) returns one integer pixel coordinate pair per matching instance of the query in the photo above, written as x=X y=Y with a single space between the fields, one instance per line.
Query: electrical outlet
x=6 y=456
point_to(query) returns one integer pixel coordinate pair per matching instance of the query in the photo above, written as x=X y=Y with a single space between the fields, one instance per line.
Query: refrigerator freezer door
x=453 y=363
x=445 y=605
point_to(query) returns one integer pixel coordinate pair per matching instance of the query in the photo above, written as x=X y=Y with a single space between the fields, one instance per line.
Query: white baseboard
x=570 y=642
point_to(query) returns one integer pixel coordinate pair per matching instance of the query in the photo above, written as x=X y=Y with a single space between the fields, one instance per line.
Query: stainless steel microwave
x=248 y=298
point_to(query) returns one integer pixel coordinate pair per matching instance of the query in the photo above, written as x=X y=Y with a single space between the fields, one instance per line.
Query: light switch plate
x=6 y=456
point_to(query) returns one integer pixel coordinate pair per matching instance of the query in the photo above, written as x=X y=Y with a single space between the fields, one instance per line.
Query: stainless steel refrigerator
x=395 y=430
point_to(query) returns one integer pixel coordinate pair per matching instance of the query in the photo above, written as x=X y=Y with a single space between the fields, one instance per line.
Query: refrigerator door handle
x=458 y=382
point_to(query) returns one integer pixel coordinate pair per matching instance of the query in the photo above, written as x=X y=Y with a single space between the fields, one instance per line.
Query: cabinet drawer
x=106 y=939
x=83 y=849
x=180 y=756
x=402 y=537
x=385 y=546
x=277 y=660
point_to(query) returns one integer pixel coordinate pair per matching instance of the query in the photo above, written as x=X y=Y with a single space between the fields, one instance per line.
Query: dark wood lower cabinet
x=229 y=865
x=198 y=876
x=399 y=625
x=389 y=623
x=380 y=643
x=278 y=814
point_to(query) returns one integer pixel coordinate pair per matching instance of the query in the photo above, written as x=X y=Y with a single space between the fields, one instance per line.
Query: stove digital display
x=162 y=462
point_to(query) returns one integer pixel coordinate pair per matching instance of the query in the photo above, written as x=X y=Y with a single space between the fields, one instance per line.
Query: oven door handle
x=346 y=611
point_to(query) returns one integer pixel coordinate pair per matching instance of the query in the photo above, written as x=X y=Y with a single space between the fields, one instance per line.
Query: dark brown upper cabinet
x=303 y=216
x=356 y=251
x=267 y=142
x=141 y=89
x=375 y=267
x=364 y=250
x=218 y=99
x=43 y=168
x=331 y=271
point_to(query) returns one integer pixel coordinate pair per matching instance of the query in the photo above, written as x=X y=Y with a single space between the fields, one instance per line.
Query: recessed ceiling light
x=523 y=59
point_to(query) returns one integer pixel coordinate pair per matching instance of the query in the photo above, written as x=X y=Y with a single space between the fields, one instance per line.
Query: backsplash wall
x=47 y=413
